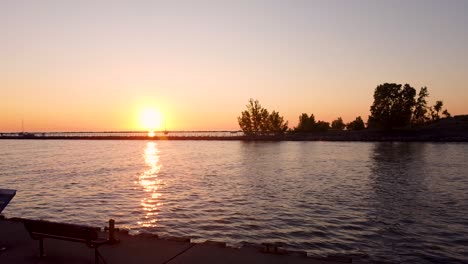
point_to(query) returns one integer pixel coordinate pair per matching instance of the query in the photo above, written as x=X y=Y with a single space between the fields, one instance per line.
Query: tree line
x=394 y=106
x=397 y=106
x=256 y=120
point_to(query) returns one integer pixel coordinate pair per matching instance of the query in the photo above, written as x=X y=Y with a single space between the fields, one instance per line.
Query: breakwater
x=408 y=135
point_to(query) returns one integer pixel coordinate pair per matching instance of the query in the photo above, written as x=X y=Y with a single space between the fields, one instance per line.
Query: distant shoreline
x=351 y=136
x=446 y=130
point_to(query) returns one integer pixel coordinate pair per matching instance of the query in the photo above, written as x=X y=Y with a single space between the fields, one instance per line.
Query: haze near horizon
x=86 y=66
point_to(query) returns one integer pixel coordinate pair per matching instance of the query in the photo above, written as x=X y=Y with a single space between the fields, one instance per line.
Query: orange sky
x=91 y=67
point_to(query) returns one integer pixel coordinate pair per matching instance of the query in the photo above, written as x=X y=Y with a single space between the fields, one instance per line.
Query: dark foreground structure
x=145 y=248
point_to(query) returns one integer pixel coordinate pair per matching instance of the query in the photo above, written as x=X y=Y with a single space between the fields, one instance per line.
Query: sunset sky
x=97 y=65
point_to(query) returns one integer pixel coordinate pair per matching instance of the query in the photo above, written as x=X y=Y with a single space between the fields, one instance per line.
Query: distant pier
x=457 y=133
x=124 y=135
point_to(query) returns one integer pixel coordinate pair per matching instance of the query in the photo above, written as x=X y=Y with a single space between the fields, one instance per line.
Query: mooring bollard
x=112 y=230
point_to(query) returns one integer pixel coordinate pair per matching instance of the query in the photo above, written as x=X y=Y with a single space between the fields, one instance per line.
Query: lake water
x=402 y=202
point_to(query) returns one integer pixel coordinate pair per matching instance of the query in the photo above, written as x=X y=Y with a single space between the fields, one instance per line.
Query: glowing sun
x=151 y=119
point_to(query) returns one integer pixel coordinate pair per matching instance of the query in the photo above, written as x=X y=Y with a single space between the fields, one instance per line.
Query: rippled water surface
x=403 y=202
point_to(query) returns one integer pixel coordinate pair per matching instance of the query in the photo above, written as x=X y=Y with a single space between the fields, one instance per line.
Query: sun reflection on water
x=150 y=183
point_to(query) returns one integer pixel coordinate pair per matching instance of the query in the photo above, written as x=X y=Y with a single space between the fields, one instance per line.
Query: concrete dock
x=145 y=248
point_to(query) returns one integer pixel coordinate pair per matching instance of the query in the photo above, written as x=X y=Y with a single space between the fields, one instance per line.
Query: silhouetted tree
x=407 y=105
x=251 y=119
x=357 y=124
x=436 y=109
x=276 y=123
x=308 y=124
x=420 y=109
x=322 y=126
x=256 y=120
x=446 y=114
x=393 y=105
x=264 y=126
x=338 y=124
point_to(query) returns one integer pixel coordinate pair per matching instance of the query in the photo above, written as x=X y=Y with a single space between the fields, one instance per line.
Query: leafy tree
x=446 y=114
x=393 y=105
x=338 y=124
x=276 y=123
x=322 y=126
x=436 y=109
x=251 y=119
x=308 y=124
x=256 y=120
x=264 y=125
x=420 y=109
x=407 y=105
x=357 y=124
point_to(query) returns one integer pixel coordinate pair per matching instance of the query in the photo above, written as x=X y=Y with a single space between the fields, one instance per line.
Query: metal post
x=41 y=247
x=112 y=230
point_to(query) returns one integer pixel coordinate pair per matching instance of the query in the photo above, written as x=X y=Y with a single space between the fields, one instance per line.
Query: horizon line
x=124 y=131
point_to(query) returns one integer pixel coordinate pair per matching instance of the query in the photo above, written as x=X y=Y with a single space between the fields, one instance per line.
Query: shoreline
x=335 y=136
x=446 y=130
